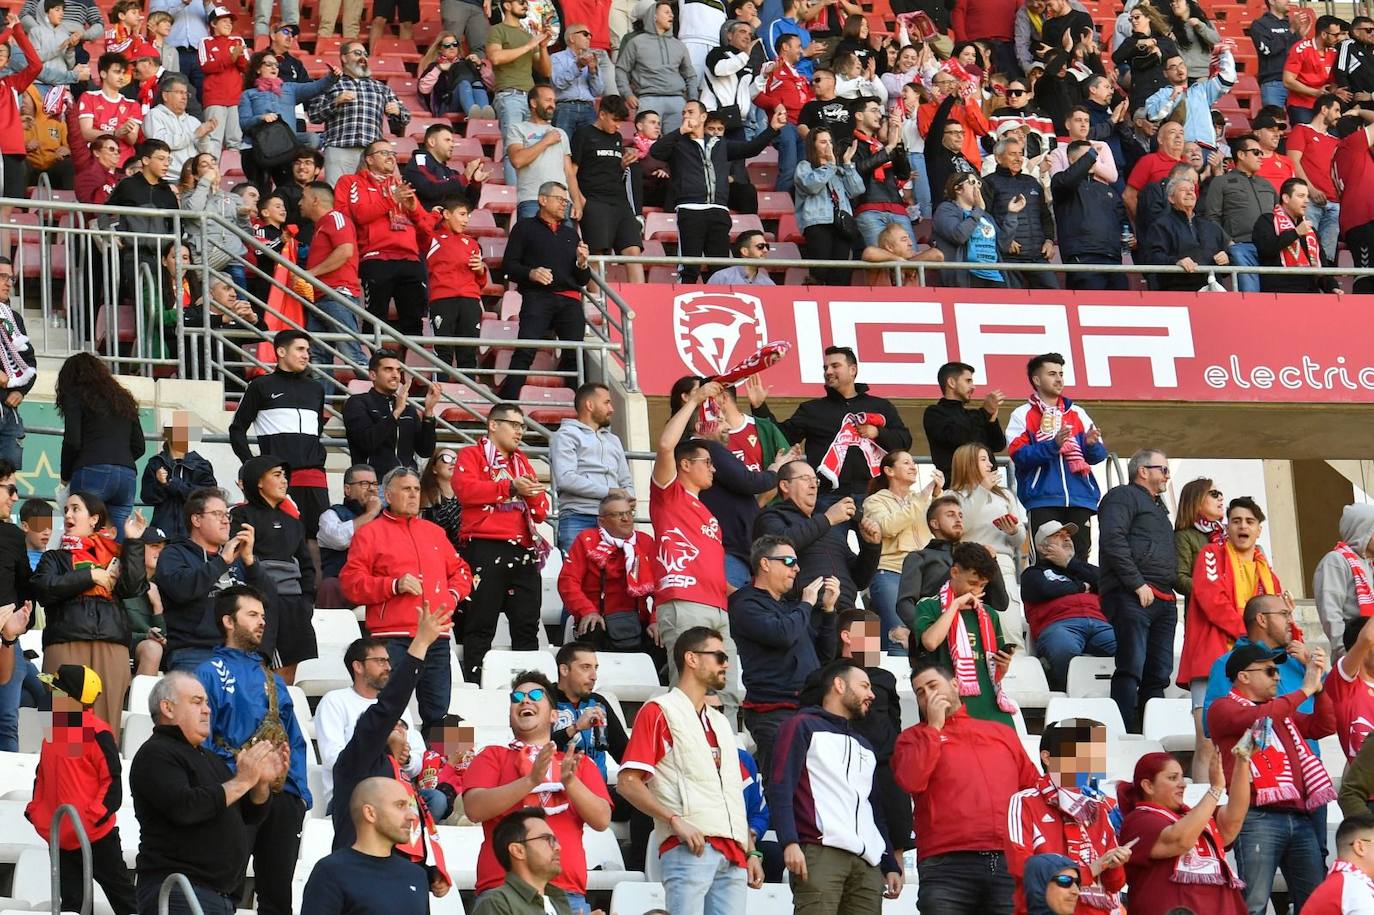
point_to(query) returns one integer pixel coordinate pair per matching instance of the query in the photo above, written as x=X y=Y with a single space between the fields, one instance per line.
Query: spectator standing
x=949 y=423
x=787 y=21
x=577 y=80
x=1347 y=686
x=1354 y=170
x=531 y=772
x=502 y=502
x=1201 y=519
x=584 y=720
x=1053 y=445
x=994 y=518
x=587 y=463
x=898 y=508
x=1138 y=573
x=98 y=180
x=15 y=571
x=269 y=96
x=1144 y=51
x=192 y=810
x=1031 y=228
x=386 y=215
x=171 y=475
x=961 y=858
x=748 y=245
x=538 y=861
x=1341 y=582
x=606 y=579
x=1273 y=36
x=434 y=180
x=1286 y=237
x=1153 y=167
x=516 y=57
x=341 y=521
x=1312 y=148
x=190 y=26
x=1170 y=834
x=1271 y=130
x=963 y=230
x=1307 y=72
x=599 y=166
x=53 y=52
x=548 y=261
x=1352 y=54
x=457 y=276
x=201 y=191
x=281 y=42
x=285 y=411
x=1086 y=210
x=677 y=744
x=250 y=704
x=882 y=163
x=352 y=111
x=1347 y=887
x=540 y=153
x=782 y=640
x=223 y=60
x=101 y=437
x=828 y=111
x=382 y=573
x=169 y=122
x=727 y=76
x=1186 y=239
x=1063 y=606
x=782 y=83
x=1197 y=98
x=1235 y=201
x=384 y=428
x=437 y=500
x=333 y=260
x=1288 y=783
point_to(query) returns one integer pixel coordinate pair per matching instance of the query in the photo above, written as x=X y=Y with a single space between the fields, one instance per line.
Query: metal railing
x=188 y=892
x=67 y=811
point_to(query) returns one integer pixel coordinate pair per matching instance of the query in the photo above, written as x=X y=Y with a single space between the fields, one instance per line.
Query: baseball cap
x=1246 y=655
x=74 y=680
x=156 y=535
x=220 y=12
x=1050 y=528
x=290 y=28
x=1267 y=120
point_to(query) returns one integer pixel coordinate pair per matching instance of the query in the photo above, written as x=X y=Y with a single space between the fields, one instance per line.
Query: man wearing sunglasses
x=1289 y=782
x=748 y=244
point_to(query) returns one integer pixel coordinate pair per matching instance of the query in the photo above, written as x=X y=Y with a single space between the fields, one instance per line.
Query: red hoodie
x=385 y=231
x=11 y=125
x=223 y=71
x=785 y=87
x=1035 y=827
x=78 y=765
x=491 y=509
x=447 y=258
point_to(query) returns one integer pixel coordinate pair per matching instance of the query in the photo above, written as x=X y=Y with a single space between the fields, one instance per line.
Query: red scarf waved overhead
x=1364 y=594
x=961 y=651
x=1305 y=252
x=768 y=355
x=1271 y=769
x=848 y=437
x=97 y=552
x=1045 y=420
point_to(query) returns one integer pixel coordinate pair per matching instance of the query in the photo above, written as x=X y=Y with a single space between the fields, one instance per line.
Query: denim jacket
x=814 y=206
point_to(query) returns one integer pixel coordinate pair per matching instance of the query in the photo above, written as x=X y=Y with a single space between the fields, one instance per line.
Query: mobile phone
x=1008 y=648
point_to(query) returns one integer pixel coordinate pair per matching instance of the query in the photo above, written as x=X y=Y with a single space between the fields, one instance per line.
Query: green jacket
x=771 y=439
x=1187 y=544
x=1357 y=785
x=516 y=897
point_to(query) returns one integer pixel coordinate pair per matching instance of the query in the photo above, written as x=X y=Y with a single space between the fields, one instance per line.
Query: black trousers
x=107 y=869
x=764 y=727
x=276 y=844
x=456 y=317
x=1360 y=241
x=1082 y=541
x=509 y=584
x=1037 y=279
x=701 y=233
x=825 y=243
x=965 y=883
x=545 y=316
x=1094 y=281
x=402 y=281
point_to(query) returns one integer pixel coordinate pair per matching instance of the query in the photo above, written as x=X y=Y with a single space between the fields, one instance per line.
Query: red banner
x=1118 y=346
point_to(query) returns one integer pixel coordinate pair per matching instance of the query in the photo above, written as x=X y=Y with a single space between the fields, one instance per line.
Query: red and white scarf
x=1080 y=813
x=423 y=846
x=1206 y=861
x=1305 y=252
x=769 y=354
x=961 y=651
x=97 y=552
x=550 y=796
x=848 y=437
x=1215 y=530
x=13 y=342
x=508 y=468
x=639 y=576
x=1271 y=769
x=1364 y=594
x=1352 y=872
x=1052 y=418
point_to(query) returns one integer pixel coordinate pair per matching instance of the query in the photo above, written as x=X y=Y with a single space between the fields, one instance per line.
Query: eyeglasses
x=217 y=513
x=6 y=277
x=788 y=561
x=369 y=483
x=448 y=457
x=448 y=44
x=762 y=246
x=1247 y=150
x=384 y=660
x=1016 y=93
x=384 y=153
x=706 y=460
x=720 y=656
x=1270 y=671
x=514 y=423
x=581 y=32
x=1214 y=493
x=556 y=198
x=1285 y=613
x=1064 y=881
x=357 y=52
x=269 y=65
x=546 y=837
x=1162 y=468
x=518 y=696
x=621 y=516
x=11 y=489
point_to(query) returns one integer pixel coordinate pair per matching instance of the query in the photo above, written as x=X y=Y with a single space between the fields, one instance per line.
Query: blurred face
x=531 y=711
x=55 y=15
x=213 y=522
x=77 y=519
x=778 y=570
x=618 y=518
x=151 y=551
x=294 y=357
x=791 y=51
x=801 y=487
x=715 y=128
x=272 y=485
x=1049 y=379
x=944 y=84
x=403 y=496
x=507 y=431
x=578 y=678
x=931 y=683
x=864 y=640
x=1063 y=900
x=948 y=522
x=1243 y=529
x=968 y=57
x=386 y=377
x=249 y=622
x=190 y=711
x=1079 y=763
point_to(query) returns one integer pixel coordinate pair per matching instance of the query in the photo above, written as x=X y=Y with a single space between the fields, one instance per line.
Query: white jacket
x=687 y=779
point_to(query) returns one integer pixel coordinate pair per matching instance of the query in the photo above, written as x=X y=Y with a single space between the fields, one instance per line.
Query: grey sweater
x=654 y=64
x=586 y=463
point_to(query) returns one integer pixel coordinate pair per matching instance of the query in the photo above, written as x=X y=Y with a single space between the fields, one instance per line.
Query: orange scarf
x=99 y=551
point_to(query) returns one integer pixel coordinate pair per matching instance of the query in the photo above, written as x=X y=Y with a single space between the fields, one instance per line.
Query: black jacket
x=1089 y=213
x=168 y=499
x=278 y=538
x=188 y=578
x=950 y=423
x=434 y=181
x=1273 y=39
x=286 y=411
x=15 y=573
x=184 y=824
x=940 y=162
x=701 y=170
x=1037 y=221
x=94 y=439
x=733 y=498
x=816 y=422
x=925 y=570
x=1147 y=69
x=893 y=164
x=1173 y=237
x=1269 y=245
x=820 y=553
x=1037 y=587
x=135 y=191
x=533 y=244
x=378 y=438
x=781 y=643
x=1135 y=540
x=74 y=616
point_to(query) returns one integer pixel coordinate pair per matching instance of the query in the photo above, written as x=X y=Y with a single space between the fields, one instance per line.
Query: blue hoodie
x=1040 y=869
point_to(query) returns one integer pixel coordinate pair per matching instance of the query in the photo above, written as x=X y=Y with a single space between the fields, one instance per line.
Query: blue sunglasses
x=519 y=696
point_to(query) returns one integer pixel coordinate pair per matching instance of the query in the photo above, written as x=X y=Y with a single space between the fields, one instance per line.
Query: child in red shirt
x=224 y=60
x=444 y=767
x=125 y=34
x=456 y=278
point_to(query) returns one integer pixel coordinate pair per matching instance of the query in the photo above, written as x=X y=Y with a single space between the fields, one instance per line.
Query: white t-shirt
x=335 y=720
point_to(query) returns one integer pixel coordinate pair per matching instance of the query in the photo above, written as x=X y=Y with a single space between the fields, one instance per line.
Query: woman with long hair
x=898 y=507
x=1179 y=859
x=267 y=98
x=994 y=517
x=81 y=585
x=437 y=500
x=1194 y=34
x=101 y=436
x=1200 y=520
x=824 y=186
x=1019 y=110
x=451 y=82
x=199 y=192
x=1144 y=53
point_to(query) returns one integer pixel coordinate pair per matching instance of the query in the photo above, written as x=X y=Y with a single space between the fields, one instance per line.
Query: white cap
x=1050 y=528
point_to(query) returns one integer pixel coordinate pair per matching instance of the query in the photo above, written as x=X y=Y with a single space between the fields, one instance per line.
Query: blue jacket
x=235 y=681
x=774 y=33
x=1043 y=478
x=755 y=805
x=1291 y=674
x=254 y=103
x=813 y=187
x=781 y=643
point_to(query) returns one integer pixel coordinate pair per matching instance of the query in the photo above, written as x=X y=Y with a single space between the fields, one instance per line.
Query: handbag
x=623 y=631
x=843 y=219
x=274 y=143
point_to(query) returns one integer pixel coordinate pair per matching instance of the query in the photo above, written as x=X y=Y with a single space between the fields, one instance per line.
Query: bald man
x=369 y=876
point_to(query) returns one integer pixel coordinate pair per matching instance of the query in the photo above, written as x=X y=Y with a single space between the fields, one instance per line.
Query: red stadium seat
x=742 y=222
x=510 y=306
x=485 y=130
x=466 y=149
x=775 y=205
x=556 y=404
x=493 y=251
x=661 y=226
x=788 y=230
x=472 y=406
x=494 y=331
x=481 y=224
x=382 y=67
x=499 y=198
x=763 y=174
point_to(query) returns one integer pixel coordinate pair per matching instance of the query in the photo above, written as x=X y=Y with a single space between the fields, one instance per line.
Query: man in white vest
x=683 y=756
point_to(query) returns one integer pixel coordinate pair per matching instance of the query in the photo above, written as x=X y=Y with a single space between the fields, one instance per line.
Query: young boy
x=35 y=520
x=78 y=764
x=445 y=764
x=172 y=474
x=224 y=59
x=456 y=278
x=125 y=34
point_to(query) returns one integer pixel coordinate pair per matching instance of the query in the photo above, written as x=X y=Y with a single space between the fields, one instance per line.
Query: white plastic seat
x=1103 y=710
x=317 y=836
x=317 y=676
x=461 y=845
x=633 y=675
x=139 y=689
x=31 y=724
x=1025 y=682
x=1170 y=721
x=335 y=627
x=32 y=880
x=769 y=899
x=905 y=903
x=1123 y=754
x=135 y=730
x=1090 y=678
x=500 y=665
x=630 y=898
x=605 y=862
x=481 y=707
x=492 y=735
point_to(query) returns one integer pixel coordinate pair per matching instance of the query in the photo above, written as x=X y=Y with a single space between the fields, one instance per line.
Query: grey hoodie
x=586 y=464
x=1333 y=584
x=654 y=64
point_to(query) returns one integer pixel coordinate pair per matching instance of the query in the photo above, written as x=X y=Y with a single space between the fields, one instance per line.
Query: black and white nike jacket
x=285 y=410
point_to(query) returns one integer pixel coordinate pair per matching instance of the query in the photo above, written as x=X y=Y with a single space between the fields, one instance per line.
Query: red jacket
x=489 y=502
x=446 y=259
x=1034 y=827
x=223 y=71
x=385 y=231
x=939 y=767
x=992 y=19
x=785 y=87
x=1212 y=623
x=11 y=125
x=78 y=766
x=390 y=547
x=588 y=586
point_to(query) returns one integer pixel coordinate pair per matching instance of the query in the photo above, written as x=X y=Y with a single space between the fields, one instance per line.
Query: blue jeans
x=790 y=148
x=1270 y=840
x=346 y=319
x=188 y=659
x=872 y=222
x=569 y=526
x=1144 y=651
x=1274 y=93
x=238 y=274
x=1061 y=642
x=882 y=600
x=577 y=904
x=920 y=184
x=512 y=107
x=705 y=885
x=571 y=115
x=11 y=437
x=436 y=678
x=1325 y=219
x=114 y=485
x=470 y=94
x=1244 y=254
x=1298 y=116
x=435 y=802
x=11 y=691
x=737 y=571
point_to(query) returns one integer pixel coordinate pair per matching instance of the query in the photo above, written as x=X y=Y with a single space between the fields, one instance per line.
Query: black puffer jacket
x=278 y=538
x=1135 y=540
x=75 y=616
x=1036 y=222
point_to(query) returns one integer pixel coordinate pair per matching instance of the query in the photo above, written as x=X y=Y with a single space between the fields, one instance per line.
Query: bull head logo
x=715 y=330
